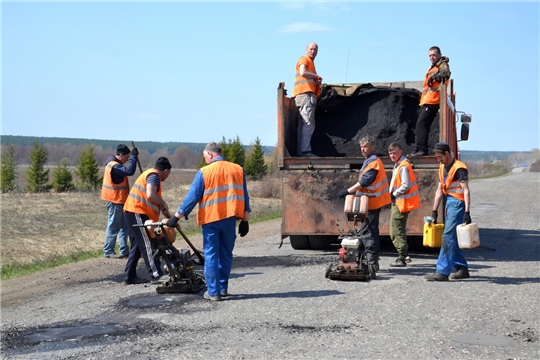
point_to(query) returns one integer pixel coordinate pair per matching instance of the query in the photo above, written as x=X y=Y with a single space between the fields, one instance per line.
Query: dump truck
x=312 y=214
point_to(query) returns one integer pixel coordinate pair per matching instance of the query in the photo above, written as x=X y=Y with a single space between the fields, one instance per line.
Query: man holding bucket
x=453 y=184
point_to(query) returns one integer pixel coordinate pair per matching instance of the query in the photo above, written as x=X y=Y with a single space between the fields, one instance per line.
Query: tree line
x=87 y=169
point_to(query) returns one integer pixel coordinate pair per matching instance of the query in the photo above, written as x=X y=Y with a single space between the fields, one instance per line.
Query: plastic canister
x=468 y=236
x=433 y=235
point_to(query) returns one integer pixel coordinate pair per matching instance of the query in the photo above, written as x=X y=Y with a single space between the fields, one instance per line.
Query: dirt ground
x=23 y=289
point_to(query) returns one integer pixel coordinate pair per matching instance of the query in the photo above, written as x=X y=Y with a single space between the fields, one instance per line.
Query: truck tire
x=299 y=242
x=321 y=242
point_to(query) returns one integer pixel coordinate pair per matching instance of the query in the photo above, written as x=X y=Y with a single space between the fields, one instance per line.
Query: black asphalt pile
x=345 y=114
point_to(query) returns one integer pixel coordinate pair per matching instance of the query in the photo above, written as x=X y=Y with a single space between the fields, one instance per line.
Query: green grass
x=14 y=270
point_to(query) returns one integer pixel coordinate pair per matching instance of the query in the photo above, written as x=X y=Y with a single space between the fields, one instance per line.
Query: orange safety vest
x=223 y=195
x=411 y=199
x=137 y=201
x=115 y=193
x=303 y=85
x=378 y=190
x=449 y=187
x=431 y=95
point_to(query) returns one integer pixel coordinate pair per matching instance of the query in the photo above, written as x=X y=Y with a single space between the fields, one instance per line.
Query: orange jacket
x=449 y=187
x=223 y=195
x=411 y=199
x=378 y=190
x=430 y=94
x=137 y=201
x=115 y=193
x=303 y=85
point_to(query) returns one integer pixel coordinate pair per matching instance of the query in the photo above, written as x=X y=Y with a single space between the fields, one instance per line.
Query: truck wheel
x=299 y=242
x=321 y=242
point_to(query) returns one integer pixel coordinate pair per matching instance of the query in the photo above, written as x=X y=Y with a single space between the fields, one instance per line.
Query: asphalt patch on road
x=67 y=336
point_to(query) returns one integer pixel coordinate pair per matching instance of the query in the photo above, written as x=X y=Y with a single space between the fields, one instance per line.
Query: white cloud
x=305 y=27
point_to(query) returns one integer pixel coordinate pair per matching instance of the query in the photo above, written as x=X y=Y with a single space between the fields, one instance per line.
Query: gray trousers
x=306 y=104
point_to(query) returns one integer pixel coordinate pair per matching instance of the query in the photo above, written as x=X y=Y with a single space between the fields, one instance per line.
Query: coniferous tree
x=37 y=177
x=225 y=146
x=9 y=167
x=88 y=170
x=236 y=152
x=62 y=178
x=255 y=166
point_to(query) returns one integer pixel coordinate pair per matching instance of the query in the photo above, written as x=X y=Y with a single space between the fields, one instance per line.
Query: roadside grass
x=40 y=231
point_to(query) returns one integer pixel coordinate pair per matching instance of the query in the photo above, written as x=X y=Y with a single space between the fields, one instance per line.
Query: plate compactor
x=353 y=263
x=177 y=263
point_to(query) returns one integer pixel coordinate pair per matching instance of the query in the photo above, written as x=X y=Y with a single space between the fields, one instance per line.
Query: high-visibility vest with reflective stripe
x=449 y=187
x=115 y=193
x=137 y=201
x=223 y=195
x=411 y=199
x=301 y=84
x=431 y=95
x=378 y=190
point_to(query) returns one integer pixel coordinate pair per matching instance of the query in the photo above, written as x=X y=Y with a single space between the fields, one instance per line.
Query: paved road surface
x=283 y=308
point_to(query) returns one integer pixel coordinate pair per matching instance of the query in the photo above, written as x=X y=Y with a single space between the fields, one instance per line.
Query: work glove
x=243 y=228
x=343 y=193
x=172 y=221
x=135 y=152
x=434 y=215
x=467 y=220
x=392 y=197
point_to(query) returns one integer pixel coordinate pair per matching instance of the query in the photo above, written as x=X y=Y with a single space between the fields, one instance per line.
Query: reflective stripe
x=430 y=89
x=304 y=81
x=116 y=187
x=144 y=201
x=223 y=188
x=378 y=185
x=220 y=200
x=407 y=196
x=137 y=186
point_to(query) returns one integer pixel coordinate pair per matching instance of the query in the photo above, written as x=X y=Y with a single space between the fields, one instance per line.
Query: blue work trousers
x=116 y=226
x=450 y=254
x=218 y=243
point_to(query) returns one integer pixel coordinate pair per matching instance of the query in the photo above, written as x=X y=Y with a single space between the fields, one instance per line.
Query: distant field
x=39 y=227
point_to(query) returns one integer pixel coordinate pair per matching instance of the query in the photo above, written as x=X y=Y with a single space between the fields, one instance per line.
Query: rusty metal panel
x=310 y=205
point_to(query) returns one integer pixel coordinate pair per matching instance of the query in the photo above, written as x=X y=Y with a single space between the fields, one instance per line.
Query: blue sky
x=195 y=72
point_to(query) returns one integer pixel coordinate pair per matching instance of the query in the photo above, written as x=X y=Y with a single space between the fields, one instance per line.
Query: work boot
x=398 y=263
x=418 y=153
x=210 y=297
x=462 y=273
x=135 y=280
x=436 y=277
x=309 y=154
x=160 y=279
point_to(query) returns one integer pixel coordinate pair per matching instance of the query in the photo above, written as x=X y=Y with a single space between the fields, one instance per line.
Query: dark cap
x=122 y=150
x=163 y=164
x=442 y=147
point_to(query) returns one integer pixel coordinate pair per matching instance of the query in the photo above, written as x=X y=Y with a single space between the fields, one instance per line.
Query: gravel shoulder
x=282 y=307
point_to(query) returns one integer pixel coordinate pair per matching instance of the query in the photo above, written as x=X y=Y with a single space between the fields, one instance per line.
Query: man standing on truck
x=453 y=185
x=114 y=191
x=373 y=183
x=437 y=74
x=405 y=198
x=220 y=189
x=307 y=88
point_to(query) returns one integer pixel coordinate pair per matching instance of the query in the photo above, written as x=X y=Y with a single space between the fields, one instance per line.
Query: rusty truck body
x=312 y=214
